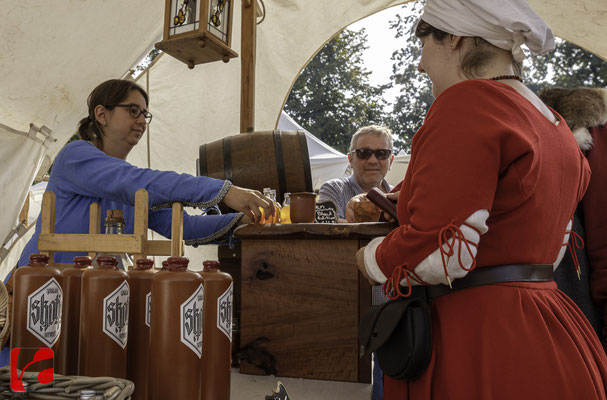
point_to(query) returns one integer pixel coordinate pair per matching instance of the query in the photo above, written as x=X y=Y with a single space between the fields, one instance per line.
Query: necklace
x=502 y=77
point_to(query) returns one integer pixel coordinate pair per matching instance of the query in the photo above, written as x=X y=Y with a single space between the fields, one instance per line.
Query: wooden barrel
x=266 y=159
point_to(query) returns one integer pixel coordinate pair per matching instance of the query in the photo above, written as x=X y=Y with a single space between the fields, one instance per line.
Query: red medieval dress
x=491 y=181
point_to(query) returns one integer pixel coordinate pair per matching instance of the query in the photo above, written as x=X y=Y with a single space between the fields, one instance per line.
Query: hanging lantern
x=198 y=31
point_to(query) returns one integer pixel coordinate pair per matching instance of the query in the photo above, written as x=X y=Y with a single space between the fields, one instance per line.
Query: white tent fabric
x=55 y=52
x=325 y=162
x=25 y=151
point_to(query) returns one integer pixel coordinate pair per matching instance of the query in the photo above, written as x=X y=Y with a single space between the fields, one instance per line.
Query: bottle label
x=191 y=321
x=224 y=311
x=148 y=308
x=116 y=314
x=44 y=312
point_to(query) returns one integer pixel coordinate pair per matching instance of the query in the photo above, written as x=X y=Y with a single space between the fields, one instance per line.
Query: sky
x=382 y=44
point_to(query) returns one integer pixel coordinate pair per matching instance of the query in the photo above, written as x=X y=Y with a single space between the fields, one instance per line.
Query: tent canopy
x=54 y=53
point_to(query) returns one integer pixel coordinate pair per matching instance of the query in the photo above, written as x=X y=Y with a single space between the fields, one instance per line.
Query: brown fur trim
x=582 y=108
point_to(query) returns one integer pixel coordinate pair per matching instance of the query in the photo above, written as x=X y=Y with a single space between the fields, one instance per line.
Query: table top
x=362 y=230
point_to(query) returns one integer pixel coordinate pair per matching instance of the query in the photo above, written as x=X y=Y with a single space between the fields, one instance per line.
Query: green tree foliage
x=567 y=66
x=332 y=96
x=415 y=99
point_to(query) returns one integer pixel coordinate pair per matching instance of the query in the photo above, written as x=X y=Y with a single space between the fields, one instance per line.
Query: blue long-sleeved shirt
x=83 y=174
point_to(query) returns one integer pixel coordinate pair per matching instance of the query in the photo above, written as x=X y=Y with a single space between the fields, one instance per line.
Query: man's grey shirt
x=341 y=190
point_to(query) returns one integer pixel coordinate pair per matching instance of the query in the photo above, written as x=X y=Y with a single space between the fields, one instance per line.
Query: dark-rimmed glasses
x=365 y=154
x=134 y=111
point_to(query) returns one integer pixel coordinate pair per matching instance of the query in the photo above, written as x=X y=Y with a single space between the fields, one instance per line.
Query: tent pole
x=247 y=66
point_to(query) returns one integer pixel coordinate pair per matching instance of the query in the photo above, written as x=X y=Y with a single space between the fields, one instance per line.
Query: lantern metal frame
x=200 y=45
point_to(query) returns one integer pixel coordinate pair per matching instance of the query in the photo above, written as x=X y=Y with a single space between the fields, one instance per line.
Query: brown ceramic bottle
x=37 y=302
x=104 y=312
x=67 y=357
x=140 y=280
x=176 y=339
x=217 y=333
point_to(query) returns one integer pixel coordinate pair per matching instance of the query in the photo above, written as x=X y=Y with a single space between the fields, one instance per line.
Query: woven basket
x=69 y=387
x=4 y=321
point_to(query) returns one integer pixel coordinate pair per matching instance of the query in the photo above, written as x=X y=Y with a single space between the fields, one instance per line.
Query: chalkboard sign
x=326 y=212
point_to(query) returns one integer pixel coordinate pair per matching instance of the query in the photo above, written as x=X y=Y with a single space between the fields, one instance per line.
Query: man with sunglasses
x=370 y=156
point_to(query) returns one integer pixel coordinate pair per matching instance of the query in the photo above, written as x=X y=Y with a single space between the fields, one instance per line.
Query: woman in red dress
x=494 y=179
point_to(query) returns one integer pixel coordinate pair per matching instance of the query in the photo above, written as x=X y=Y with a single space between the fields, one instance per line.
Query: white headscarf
x=506 y=24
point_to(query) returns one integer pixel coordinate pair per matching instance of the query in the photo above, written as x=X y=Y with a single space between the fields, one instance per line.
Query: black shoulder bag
x=400 y=333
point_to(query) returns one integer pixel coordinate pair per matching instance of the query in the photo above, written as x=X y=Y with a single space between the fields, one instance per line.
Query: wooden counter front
x=301 y=299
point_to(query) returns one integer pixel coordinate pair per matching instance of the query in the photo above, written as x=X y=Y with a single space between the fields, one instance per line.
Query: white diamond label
x=191 y=321
x=44 y=312
x=116 y=314
x=148 y=308
x=224 y=311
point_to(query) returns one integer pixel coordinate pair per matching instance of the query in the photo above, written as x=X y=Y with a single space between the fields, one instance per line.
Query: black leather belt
x=488 y=276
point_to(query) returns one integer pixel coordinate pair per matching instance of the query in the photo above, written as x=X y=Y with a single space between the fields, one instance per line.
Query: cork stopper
x=114 y=216
x=107 y=262
x=82 y=262
x=210 y=266
x=143 y=264
x=38 y=260
x=177 y=263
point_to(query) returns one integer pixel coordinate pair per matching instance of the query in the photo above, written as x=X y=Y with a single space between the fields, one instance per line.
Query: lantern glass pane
x=218 y=19
x=184 y=16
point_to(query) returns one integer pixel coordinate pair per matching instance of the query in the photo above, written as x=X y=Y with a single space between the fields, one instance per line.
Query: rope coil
x=69 y=387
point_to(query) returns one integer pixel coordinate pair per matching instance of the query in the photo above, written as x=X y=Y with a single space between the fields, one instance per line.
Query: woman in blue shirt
x=95 y=170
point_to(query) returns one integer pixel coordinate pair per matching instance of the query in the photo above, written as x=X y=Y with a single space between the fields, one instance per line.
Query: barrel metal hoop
x=202 y=161
x=280 y=165
x=303 y=143
x=227 y=158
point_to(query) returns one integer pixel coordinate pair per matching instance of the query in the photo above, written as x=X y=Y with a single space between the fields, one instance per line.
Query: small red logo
x=44 y=377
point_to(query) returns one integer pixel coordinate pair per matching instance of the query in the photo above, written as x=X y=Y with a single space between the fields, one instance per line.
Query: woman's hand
x=360 y=260
x=248 y=202
x=244 y=220
x=394 y=197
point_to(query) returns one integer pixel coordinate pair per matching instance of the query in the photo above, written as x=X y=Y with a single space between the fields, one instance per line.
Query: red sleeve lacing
x=391 y=286
x=458 y=236
x=575 y=242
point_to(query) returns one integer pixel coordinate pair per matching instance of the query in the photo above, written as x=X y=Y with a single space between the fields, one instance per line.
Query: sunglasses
x=365 y=154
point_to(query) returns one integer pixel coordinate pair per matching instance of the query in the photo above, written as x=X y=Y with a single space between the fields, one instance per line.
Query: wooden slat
x=247 y=67
x=157 y=247
x=23 y=215
x=177 y=231
x=98 y=243
x=47 y=225
x=140 y=227
x=94 y=222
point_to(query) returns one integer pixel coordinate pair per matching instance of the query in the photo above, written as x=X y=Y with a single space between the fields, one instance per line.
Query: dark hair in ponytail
x=107 y=94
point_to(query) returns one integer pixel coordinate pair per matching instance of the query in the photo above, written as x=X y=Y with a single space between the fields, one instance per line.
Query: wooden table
x=301 y=299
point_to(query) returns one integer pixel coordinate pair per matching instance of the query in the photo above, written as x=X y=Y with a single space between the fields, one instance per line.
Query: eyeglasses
x=135 y=111
x=365 y=154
